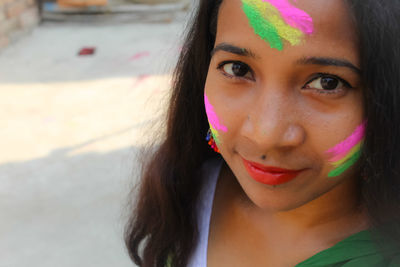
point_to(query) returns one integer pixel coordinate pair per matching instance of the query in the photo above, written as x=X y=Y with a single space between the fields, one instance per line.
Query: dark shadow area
x=67 y=210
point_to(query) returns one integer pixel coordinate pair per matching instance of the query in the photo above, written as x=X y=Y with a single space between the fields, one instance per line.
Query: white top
x=210 y=172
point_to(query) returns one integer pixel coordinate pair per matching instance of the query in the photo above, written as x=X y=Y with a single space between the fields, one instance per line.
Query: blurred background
x=82 y=83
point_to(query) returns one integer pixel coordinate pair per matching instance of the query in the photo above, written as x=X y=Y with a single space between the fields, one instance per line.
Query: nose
x=274 y=122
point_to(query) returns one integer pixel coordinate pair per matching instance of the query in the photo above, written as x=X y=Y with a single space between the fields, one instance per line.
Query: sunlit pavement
x=70 y=131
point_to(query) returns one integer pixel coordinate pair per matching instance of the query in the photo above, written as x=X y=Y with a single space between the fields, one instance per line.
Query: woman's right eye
x=236 y=69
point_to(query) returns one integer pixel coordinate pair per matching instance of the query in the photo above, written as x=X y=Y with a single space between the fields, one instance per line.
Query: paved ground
x=70 y=131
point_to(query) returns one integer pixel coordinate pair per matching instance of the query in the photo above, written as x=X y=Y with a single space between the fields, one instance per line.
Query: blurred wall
x=17 y=18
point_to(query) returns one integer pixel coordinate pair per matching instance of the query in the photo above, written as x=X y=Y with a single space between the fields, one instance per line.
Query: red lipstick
x=269 y=175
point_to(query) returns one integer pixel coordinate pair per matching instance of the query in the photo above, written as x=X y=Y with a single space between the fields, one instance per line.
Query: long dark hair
x=163 y=221
x=378 y=28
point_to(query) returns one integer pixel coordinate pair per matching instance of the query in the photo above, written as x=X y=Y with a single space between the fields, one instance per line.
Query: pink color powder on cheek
x=347 y=153
x=212 y=116
x=344 y=147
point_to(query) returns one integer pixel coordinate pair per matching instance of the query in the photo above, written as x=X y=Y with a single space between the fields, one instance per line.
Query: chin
x=277 y=205
x=273 y=199
x=282 y=198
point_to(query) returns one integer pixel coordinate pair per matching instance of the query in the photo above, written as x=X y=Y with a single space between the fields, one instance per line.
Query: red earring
x=211 y=141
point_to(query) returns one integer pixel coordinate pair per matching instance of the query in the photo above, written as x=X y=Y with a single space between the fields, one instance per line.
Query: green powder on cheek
x=215 y=135
x=262 y=27
x=342 y=168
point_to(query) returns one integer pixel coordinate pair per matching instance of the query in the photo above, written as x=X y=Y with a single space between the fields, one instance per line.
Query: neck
x=341 y=203
x=338 y=210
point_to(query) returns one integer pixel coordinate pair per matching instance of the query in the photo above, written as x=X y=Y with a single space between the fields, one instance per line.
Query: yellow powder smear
x=273 y=16
x=285 y=31
x=215 y=134
x=351 y=153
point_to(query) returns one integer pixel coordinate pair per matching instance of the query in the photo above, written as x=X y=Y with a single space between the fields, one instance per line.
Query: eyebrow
x=322 y=61
x=325 y=61
x=232 y=49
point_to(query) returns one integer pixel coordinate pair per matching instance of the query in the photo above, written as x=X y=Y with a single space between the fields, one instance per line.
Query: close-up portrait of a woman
x=280 y=143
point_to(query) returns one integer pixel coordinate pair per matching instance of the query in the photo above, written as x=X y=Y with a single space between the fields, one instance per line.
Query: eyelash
x=316 y=76
x=346 y=84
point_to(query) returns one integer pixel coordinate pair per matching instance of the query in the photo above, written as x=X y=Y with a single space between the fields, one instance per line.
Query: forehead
x=333 y=34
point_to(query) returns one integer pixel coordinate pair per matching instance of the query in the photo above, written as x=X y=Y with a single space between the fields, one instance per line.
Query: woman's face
x=283 y=91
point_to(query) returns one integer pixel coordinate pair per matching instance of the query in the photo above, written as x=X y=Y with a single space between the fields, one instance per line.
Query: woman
x=298 y=100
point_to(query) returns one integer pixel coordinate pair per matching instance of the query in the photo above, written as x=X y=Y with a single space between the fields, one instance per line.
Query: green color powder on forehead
x=263 y=27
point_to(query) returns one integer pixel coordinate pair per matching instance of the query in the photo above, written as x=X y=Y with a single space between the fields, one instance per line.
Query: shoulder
x=361 y=249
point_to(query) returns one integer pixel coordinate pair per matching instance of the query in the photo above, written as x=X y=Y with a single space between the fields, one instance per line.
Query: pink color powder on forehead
x=293 y=16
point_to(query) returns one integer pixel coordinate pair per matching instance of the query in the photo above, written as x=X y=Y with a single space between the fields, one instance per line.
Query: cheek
x=225 y=108
x=346 y=153
x=216 y=124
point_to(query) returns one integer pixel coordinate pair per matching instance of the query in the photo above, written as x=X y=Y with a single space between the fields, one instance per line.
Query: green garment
x=358 y=250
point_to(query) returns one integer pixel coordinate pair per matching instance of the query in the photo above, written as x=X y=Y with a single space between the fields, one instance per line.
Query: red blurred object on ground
x=86 y=51
x=140 y=55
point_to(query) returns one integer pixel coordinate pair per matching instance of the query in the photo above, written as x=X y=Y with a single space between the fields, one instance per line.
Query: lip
x=269 y=175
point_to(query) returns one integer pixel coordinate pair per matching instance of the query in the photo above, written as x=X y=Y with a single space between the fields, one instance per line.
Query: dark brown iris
x=329 y=83
x=240 y=69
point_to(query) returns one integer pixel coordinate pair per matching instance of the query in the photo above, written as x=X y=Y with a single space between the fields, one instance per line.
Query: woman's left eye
x=327 y=84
